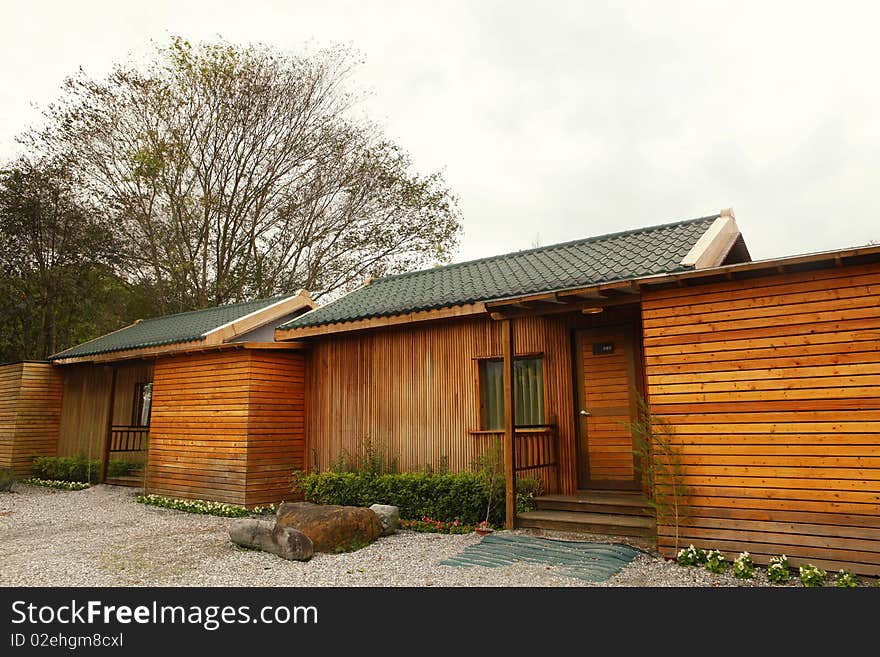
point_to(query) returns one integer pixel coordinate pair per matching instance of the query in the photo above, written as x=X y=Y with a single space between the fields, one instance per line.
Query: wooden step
x=589 y=523
x=605 y=502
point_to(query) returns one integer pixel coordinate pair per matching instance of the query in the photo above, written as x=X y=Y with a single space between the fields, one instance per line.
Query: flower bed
x=56 y=483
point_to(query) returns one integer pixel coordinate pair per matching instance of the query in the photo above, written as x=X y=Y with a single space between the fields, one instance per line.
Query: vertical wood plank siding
x=226 y=426
x=30 y=410
x=87 y=400
x=413 y=391
x=772 y=386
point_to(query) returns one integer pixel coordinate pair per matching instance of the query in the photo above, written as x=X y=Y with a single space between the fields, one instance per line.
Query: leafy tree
x=238 y=172
x=56 y=262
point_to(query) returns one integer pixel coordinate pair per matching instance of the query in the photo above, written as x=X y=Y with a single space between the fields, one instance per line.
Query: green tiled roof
x=602 y=259
x=170 y=329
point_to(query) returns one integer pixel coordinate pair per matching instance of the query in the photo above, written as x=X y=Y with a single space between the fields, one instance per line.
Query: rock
x=286 y=542
x=389 y=517
x=332 y=528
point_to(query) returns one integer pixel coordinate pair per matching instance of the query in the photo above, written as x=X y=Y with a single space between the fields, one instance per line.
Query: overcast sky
x=553 y=119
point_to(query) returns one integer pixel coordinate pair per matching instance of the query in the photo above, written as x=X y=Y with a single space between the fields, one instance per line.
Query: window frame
x=137 y=406
x=481 y=407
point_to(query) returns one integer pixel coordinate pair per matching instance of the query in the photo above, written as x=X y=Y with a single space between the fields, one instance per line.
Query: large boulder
x=332 y=528
x=389 y=517
x=286 y=542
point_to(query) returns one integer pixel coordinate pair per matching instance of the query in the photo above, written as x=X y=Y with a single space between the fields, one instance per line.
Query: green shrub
x=66 y=468
x=122 y=468
x=779 y=571
x=6 y=480
x=716 y=562
x=691 y=556
x=56 y=483
x=443 y=497
x=368 y=459
x=743 y=566
x=812 y=576
x=846 y=580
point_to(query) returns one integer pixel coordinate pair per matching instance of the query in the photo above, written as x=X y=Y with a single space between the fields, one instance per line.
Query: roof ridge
x=548 y=247
x=201 y=310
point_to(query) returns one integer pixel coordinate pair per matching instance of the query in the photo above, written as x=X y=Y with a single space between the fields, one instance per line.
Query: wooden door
x=605 y=363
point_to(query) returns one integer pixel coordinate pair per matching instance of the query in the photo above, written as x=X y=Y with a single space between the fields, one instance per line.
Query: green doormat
x=594 y=562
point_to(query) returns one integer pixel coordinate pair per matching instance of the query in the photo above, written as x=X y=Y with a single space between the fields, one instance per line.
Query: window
x=143 y=402
x=528 y=378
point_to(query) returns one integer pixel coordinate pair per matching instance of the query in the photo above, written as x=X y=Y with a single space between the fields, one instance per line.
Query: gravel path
x=102 y=537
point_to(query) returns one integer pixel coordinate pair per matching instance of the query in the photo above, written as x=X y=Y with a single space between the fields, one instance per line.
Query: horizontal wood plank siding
x=30 y=410
x=227 y=426
x=198 y=427
x=10 y=390
x=276 y=425
x=772 y=386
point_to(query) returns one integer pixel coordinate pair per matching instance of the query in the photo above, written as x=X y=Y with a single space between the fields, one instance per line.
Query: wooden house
x=203 y=404
x=767 y=374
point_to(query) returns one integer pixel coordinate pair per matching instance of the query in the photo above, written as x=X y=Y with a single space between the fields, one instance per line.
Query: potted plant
x=483 y=528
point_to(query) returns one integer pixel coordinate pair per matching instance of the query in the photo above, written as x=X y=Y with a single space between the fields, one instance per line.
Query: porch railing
x=536 y=452
x=127 y=438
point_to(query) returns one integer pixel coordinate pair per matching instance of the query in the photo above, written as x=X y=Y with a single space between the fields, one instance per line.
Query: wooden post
x=109 y=435
x=509 y=425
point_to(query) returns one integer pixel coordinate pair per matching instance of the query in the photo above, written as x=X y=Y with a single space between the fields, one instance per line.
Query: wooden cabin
x=766 y=373
x=201 y=404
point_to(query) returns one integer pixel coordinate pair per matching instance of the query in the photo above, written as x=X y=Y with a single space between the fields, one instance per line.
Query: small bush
x=444 y=497
x=368 y=459
x=66 y=468
x=203 y=507
x=846 y=580
x=812 y=576
x=265 y=510
x=6 y=480
x=691 y=556
x=122 y=468
x=779 y=570
x=743 y=566
x=716 y=562
x=56 y=483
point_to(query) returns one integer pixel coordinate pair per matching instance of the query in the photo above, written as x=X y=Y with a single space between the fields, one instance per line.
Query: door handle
x=586 y=413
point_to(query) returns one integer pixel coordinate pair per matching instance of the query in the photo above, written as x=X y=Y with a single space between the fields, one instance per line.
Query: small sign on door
x=603 y=348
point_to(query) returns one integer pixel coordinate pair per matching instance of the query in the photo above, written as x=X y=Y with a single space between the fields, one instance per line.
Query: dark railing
x=536 y=451
x=127 y=439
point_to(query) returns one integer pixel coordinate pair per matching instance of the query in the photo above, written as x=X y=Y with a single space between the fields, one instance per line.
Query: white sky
x=556 y=119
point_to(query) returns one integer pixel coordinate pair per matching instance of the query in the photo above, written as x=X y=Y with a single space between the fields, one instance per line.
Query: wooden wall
x=226 y=426
x=87 y=401
x=276 y=424
x=30 y=408
x=413 y=390
x=772 y=386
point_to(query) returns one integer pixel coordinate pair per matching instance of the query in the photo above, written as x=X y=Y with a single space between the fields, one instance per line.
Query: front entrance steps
x=609 y=512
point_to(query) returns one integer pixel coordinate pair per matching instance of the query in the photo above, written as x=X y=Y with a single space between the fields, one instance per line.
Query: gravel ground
x=102 y=537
